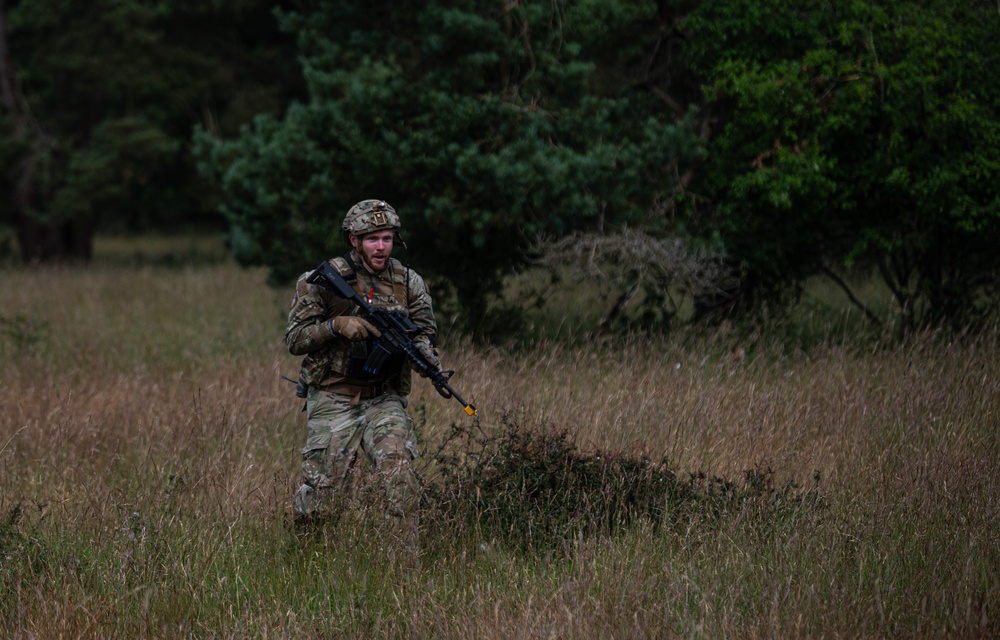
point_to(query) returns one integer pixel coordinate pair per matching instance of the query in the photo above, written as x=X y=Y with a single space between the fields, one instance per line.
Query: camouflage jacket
x=326 y=353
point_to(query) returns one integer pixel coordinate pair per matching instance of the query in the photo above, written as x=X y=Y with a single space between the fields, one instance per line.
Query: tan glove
x=354 y=328
x=429 y=353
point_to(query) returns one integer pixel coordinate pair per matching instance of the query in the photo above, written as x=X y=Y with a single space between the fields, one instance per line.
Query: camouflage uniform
x=346 y=407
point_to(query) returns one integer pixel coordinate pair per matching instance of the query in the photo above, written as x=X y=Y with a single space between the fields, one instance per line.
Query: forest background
x=720 y=275
x=707 y=156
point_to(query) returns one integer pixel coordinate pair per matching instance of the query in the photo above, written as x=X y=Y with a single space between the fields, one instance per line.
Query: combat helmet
x=367 y=216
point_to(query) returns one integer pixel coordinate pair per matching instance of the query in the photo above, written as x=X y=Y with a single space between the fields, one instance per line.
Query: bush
x=532 y=489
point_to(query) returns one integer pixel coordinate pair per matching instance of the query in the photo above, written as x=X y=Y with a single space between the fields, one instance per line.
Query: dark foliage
x=530 y=489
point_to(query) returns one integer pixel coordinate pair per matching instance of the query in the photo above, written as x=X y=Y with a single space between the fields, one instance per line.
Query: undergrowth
x=531 y=489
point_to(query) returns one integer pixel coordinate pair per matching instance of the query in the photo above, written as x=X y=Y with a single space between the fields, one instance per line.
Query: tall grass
x=148 y=450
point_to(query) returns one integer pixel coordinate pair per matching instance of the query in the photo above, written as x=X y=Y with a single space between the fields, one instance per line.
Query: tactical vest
x=360 y=350
x=346 y=358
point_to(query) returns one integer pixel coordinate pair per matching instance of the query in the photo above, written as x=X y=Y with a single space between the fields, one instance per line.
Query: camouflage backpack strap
x=347 y=269
x=345 y=265
x=401 y=283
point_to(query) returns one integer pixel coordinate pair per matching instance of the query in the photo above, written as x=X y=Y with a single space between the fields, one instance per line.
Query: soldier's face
x=375 y=248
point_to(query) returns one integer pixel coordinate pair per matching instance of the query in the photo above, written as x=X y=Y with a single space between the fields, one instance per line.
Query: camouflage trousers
x=335 y=429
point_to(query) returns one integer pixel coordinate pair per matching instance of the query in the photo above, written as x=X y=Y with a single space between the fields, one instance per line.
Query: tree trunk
x=39 y=241
x=53 y=242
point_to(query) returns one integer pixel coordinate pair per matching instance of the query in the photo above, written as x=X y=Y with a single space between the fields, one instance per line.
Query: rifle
x=396 y=328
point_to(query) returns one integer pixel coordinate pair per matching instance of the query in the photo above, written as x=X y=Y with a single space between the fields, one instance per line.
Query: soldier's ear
x=354 y=240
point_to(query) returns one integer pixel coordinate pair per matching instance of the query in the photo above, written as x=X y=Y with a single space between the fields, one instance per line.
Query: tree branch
x=874 y=319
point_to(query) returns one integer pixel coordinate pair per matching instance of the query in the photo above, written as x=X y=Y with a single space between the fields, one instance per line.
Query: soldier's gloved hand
x=354 y=328
x=429 y=353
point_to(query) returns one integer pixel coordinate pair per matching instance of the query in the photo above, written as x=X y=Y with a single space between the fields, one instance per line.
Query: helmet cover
x=368 y=216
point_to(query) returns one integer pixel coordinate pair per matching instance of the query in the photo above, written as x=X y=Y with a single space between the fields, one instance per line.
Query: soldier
x=346 y=407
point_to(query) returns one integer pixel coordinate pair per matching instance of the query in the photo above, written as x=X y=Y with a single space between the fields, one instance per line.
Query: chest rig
x=380 y=295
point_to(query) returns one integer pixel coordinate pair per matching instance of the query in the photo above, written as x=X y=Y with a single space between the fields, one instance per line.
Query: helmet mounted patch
x=368 y=216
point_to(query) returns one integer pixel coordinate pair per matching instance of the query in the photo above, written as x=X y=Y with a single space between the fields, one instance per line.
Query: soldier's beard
x=375 y=262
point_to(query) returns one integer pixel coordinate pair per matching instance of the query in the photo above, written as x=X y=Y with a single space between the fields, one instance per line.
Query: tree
x=479 y=122
x=99 y=101
x=794 y=141
x=833 y=136
x=856 y=134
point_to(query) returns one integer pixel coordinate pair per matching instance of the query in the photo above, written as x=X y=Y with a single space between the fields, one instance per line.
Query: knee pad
x=402 y=489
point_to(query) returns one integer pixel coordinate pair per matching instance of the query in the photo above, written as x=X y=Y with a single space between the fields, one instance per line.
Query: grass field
x=148 y=449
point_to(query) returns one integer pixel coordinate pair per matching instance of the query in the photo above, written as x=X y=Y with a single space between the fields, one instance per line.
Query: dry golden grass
x=148 y=451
